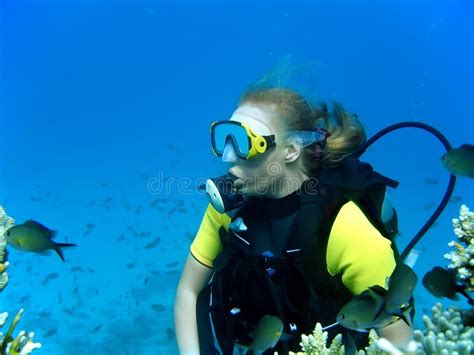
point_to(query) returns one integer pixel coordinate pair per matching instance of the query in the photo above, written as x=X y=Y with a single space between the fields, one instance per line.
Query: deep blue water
x=98 y=99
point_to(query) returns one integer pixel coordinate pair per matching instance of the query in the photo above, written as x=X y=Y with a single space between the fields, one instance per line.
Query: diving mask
x=246 y=142
x=306 y=138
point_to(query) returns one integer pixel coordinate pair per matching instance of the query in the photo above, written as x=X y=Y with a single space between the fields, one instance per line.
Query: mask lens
x=221 y=133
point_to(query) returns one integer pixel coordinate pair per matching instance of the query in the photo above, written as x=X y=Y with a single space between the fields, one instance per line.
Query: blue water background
x=101 y=102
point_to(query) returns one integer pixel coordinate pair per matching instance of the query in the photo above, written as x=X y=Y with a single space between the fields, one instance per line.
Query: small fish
x=90 y=225
x=152 y=244
x=44 y=314
x=442 y=283
x=69 y=311
x=76 y=269
x=455 y=199
x=429 y=206
x=389 y=217
x=170 y=334
x=52 y=276
x=130 y=265
x=50 y=332
x=144 y=234
x=158 y=307
x=431 y=181
x=267 y=333
x=378 y=307
x=402 y=284
x=35 y=237
x=96 y=329
x=460 y=161
x=173 y=264
x=154 y=202
x=366 y=311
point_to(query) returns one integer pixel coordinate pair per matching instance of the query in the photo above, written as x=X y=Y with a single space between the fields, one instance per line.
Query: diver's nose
x=229 y=155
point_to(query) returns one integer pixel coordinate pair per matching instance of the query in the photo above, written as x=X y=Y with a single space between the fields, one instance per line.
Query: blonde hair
x=295 y=113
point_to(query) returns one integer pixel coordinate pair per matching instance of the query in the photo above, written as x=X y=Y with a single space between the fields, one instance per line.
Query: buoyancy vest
x=277 y=266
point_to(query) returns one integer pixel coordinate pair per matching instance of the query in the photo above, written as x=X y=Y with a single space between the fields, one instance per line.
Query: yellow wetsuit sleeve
x=207 y=244
x=358 y=251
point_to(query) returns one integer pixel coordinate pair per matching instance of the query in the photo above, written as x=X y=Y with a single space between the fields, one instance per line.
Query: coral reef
x=446 y=332
x=316 y=344
x=462 y=257
x=5 y=223
x=22 y=344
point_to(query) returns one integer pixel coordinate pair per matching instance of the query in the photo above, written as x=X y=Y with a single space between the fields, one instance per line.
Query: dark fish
x=24 y=299
x=158 y=307
x=76 y=269
x=90 y=225
x=442 y=283
x=52 y=276
x=173 y=264
x=360 y=313
x=170 y=333
x=35 y=237
x=402 y=284
x=68 y=311
x=460 y=161
x=108 y=200
x=431 y=181
x=429 y=206
x=130 y=265
x=44 y=314
x=96 y=329
x=455 y=199
x=378 y=307
x=154 y=202
x=152 y=244
x=51 y=332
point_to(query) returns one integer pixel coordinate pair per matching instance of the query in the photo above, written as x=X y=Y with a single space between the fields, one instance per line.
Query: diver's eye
x=8 y=233
x=343 y=316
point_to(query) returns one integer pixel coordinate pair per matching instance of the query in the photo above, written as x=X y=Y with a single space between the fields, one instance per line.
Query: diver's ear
x=292 y=151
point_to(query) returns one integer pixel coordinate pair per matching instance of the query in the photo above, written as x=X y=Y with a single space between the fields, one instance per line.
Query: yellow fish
x=35 y=237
